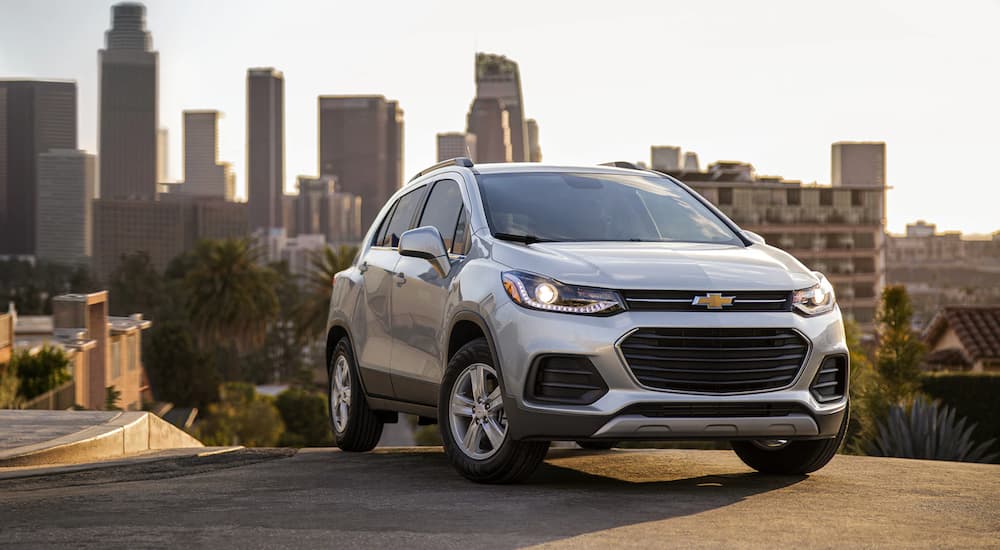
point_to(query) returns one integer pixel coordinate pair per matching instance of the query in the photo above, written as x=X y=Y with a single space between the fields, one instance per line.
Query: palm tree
x=312 y=313
x=230 y=296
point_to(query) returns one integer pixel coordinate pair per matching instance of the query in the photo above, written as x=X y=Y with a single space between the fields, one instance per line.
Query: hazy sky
x=770 y=83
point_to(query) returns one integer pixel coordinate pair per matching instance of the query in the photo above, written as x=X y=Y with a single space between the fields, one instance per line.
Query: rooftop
x=977 y=328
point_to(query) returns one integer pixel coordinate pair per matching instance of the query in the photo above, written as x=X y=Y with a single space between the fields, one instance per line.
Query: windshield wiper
x=526 y=239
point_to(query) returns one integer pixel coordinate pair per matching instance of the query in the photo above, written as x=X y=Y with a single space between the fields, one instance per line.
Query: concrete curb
x=21 y=472
x=125 y=434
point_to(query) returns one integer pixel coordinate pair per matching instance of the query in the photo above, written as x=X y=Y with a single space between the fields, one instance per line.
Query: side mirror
x=753 y=237
x=426 y=243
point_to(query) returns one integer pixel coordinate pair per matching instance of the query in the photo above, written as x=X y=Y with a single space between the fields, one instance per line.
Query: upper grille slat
x=714 y=360
x=682 y=300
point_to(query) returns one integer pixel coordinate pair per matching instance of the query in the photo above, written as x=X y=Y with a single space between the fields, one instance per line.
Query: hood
x=659 y=266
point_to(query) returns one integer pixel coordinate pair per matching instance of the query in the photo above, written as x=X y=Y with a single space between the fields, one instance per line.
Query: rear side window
x=401 y=216
x=443 y=210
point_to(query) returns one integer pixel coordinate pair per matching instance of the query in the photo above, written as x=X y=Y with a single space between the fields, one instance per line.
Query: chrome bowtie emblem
x=713 y=300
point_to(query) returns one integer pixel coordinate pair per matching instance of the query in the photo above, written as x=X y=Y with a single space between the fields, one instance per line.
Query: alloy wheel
x=340 y=394
x=478 y=422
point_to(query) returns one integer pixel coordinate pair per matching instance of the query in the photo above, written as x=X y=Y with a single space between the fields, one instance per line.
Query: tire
x=362 y=428
x=597 y=445
x=794 y=458
x=483 y=462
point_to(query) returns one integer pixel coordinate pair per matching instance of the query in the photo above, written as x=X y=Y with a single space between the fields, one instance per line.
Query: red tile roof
x=977 y=327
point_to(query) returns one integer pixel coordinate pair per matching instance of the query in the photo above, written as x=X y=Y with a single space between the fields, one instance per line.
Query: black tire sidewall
x=357 y=406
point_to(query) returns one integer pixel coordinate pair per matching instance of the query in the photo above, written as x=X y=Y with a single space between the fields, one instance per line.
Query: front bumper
x=522 y=335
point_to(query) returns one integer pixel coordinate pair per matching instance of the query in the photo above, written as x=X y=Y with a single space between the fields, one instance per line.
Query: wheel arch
x=465 y=327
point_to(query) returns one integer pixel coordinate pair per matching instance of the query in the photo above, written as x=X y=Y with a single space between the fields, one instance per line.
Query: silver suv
x=518 y=304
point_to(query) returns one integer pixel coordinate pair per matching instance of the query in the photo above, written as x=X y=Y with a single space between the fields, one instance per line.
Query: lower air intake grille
x=831 y=381
x=714 y=410
x=566 y=379
x=715 y=360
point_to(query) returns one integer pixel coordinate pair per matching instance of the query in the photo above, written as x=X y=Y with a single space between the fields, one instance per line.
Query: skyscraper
x=665 y=158
x=129 y=106
x=499 y=78
x=361 y=143
x=35 y=117
x=66 y=183
x=858 y=164
x=162 y=158
x=265 y=147
x=488 y=120
x=534 y=148
x=204 y=175
x=456 y=144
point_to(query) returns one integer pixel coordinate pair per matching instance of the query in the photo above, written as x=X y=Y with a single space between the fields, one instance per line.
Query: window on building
x=793 y=197
x=725 y=195
x=826 y=197
x=443 y=209
x=133 y=352
x=116 y=358
x=857 y=197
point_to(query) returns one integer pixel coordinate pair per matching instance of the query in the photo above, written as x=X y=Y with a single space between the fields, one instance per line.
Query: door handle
x=400 y=278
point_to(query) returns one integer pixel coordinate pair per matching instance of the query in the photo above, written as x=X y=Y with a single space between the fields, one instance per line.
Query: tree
x=31 y=286
x=136 y=286
x=867 y=394
x=305 y=416
x=900 y=350
x=230 y=298
x=241 y=417
x=42 y=371
x=312 y=314
x=178 y=372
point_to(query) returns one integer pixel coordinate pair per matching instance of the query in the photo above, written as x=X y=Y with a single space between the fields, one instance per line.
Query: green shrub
x=241 y=417
x=974 y=395
x=929 y=430
x=305 y=417
x=9 y=384
x=42 y=371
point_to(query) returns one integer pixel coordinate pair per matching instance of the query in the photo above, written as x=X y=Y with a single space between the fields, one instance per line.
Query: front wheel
x=474 y=425
x=783 y=457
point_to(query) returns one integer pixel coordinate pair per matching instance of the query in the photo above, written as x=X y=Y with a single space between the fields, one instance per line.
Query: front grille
x=714 y=360
x=714 y=410
x=566 y=379
x=683 y=300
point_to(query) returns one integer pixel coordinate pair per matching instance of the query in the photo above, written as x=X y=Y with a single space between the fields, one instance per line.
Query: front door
x=419 y=296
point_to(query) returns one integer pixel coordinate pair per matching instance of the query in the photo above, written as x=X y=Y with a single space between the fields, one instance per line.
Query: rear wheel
x=784 y=457
x=356 y=428
x=474 y=425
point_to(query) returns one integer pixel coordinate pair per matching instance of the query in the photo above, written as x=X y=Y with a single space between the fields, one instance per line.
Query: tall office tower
x=665 y=158
x=361 y=143
x=65 y=194
x=36 y=116
x=691 y=163
x=860 y=164
x=265 y=147
x=162 y=146
x=128 y=110
x=456 y=144
x=321 y=209
x=498 y=78
x=534 y=148
x=204 y=175
x=488 y=120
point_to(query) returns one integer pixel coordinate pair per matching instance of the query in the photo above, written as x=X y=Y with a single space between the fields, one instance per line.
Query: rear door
x=373 y=332
x=418 y=300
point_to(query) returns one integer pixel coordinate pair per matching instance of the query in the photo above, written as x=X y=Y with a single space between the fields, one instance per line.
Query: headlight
x=536 y=292
x=816 y=299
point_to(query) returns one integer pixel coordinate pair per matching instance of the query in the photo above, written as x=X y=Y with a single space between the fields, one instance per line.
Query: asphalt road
x=412 y=499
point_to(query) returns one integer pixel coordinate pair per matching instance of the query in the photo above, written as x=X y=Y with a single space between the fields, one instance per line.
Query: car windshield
x=547 y=206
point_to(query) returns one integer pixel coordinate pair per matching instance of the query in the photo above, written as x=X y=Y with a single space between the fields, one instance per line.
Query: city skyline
x=918 y=78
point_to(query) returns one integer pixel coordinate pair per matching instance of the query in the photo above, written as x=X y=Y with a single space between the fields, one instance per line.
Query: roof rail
x=620 y=164
x=457 y=161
